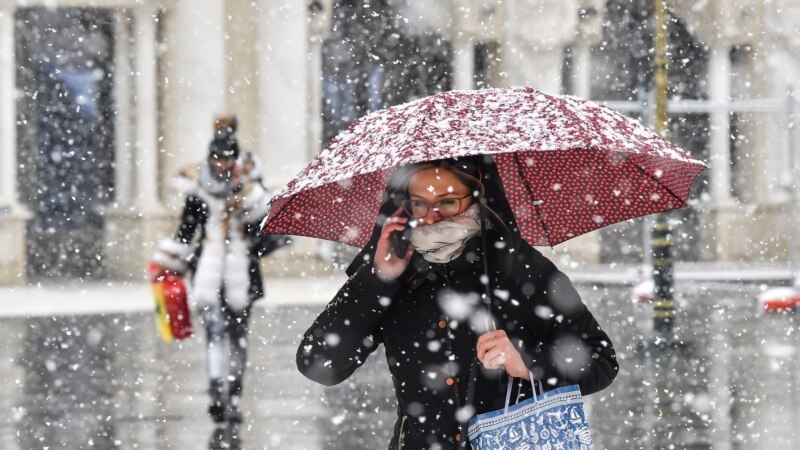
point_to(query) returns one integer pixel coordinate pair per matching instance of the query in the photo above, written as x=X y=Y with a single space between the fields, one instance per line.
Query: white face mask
x=444 y=241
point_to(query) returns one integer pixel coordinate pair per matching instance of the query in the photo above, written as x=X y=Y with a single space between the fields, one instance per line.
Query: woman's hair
x=467 y=174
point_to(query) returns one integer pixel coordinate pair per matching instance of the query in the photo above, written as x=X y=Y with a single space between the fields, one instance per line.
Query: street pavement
x=82 y=367
x=106 y=381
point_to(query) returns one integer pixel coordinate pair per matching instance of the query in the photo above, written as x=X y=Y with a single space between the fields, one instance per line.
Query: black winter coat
x=429 y=353
x=194 y=218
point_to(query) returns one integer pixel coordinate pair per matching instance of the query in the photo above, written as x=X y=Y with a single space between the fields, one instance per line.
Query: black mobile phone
x=400 y=241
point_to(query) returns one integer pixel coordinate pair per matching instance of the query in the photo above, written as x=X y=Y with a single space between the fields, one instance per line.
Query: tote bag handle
x=534 y=382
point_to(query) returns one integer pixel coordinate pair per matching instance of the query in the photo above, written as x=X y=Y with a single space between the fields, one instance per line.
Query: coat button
x=451 y=381
x=442 y=324
x=477 y=258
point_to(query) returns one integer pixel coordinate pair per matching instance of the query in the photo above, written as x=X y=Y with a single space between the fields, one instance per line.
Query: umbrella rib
x=660 y=184
x=530 y=195
x=279 y=211
x=425 y=118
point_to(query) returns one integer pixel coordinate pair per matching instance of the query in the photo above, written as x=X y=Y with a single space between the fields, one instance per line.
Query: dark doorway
x=66 y=137
x=372 y=60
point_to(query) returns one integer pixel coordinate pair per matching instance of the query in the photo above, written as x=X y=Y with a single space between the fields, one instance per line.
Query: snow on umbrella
x=568 y=165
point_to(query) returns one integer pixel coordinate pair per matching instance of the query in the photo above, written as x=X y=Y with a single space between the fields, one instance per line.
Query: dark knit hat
x=224 y=144
x=223 y=147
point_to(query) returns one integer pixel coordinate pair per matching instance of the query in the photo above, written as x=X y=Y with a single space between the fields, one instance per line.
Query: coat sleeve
x=346 y=332
x=573 y=349
x=194 y=214
x=174 y=253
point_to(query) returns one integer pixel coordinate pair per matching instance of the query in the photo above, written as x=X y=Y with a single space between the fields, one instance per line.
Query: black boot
x=216 y=409
x=233 y=410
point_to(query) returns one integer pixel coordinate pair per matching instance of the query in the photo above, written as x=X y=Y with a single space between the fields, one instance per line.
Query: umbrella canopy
x=568 y=165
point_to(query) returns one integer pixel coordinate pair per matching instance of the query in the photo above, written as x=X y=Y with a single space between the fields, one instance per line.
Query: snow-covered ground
x=128 y=297
x=120 y=297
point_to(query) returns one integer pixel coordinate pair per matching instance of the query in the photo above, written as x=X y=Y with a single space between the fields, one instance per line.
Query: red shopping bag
x=172 y=308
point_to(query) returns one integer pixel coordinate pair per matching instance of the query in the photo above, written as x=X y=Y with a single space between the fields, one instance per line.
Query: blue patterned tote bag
x=554 y=420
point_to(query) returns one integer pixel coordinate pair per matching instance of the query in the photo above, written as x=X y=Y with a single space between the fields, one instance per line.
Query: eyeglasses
x=447 y=207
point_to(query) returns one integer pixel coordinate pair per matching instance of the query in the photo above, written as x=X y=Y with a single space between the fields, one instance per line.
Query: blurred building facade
x=102 y=101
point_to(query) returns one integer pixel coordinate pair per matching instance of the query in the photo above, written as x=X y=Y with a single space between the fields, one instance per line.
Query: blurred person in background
x=224 y=202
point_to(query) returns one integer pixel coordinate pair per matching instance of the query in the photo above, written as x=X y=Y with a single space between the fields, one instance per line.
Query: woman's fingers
x=396 y=217
x=495 y=350
x=491 y=340
x=494 y=345
x=484 y=345
x=506 y=357
x=494 y=358
x=491 y=335
x=392 y=227
x=388 y=264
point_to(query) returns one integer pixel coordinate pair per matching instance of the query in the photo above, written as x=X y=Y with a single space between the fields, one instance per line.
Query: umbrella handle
x=487 y=291
x=490 y=325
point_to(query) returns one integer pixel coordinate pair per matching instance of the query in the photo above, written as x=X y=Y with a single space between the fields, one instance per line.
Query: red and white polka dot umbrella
x=568 y=165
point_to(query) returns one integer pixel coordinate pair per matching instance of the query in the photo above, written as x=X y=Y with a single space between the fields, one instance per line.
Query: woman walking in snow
x=225 y=200
x=424 y=305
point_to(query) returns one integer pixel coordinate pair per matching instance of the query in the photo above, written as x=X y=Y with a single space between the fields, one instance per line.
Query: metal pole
x=663 y=302
x=664 y=344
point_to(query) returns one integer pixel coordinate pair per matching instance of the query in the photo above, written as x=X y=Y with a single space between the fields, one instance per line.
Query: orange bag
x=172 y=308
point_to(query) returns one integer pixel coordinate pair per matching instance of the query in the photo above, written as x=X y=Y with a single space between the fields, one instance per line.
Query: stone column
x=12 y=214
x=8 y=110
x=463 y=61
x=581 y=73
x=589 y=33
x=124 y=148
x=319 y=24
x=535 y=58
x=241 y=75
x=146 y=110
x=719 y=88
x=193 y=83
x=286 y=79
x=528 y=65
x=283 y=114
x=138 y=217
x=723 y=210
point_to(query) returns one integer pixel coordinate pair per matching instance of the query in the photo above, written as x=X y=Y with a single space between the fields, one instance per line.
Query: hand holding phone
x=399 y=242
x=401 y=239
x=390 y=262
